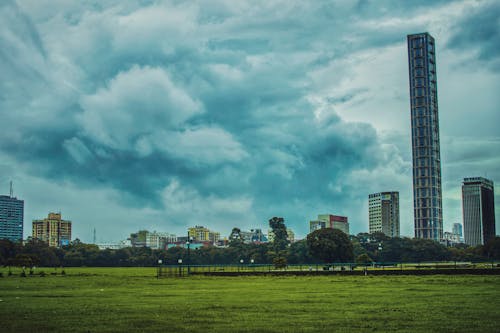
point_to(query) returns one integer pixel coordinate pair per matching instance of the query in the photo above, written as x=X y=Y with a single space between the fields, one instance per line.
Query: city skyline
x=163 y=116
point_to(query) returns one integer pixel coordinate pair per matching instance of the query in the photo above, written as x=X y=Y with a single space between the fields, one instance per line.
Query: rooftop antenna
x=11 y=190
x=94 y=235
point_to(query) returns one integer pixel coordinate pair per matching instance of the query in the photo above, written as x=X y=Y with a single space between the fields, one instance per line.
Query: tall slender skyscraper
x=478 y=204
x=427 y=200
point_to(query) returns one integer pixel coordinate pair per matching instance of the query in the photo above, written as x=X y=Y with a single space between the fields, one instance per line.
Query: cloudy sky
x=128 y=115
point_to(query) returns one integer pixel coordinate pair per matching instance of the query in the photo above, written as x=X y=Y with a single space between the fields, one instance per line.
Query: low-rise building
x=154 y=240
x=201 y=234
x=253 y=236
x=330 y=221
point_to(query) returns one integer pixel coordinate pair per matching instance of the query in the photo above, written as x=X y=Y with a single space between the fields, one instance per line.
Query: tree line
x=321 y=246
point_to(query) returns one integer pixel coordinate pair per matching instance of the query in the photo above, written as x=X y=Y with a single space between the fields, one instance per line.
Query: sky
x=161 y=115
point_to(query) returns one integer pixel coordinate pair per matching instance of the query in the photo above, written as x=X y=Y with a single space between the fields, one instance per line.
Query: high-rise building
x=53 y=230
x=383 y=213
x=427 y=198
x=330 y=221
x=478 y=207
x=11 y=218
x=457 y=229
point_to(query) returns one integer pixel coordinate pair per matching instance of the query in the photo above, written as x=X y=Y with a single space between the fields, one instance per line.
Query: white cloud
x=137 y=102
x=202 y=146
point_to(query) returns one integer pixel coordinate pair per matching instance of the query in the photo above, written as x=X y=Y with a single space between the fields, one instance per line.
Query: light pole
x=180 y=266
x=241 y=264
x=251 y=264
x=159 y=269
x=188 y=243
x=380 y=252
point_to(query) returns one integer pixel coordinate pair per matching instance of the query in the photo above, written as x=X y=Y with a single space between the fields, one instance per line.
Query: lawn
x=133 y=300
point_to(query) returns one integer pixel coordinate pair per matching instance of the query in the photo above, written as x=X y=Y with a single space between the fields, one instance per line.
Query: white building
x=383 y=213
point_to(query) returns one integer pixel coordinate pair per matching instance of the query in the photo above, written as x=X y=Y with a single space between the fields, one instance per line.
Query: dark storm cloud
x=480 y=31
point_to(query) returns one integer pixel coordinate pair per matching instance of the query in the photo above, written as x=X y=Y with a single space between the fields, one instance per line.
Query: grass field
x=133 y=300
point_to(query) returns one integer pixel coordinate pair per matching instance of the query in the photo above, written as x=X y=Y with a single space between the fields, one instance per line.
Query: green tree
x=235 y=238
x=363 y=259
x=278 y=228
x=492 y=248
x=330 y=245
x=280 y=242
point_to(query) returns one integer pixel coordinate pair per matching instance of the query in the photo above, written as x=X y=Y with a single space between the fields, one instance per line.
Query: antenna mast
x=11 y=190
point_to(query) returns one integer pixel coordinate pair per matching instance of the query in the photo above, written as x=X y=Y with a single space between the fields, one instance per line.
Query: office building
x=478 y=208
x=457 y=230
x=330 y=221
x=154 y=240
x=427 y=198
x=53 y=230
x=253 y=236
x=201 y=234
x=383 y=213
x=11 y=218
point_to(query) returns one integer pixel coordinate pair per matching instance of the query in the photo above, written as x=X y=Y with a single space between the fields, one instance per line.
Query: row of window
x=427 y=212
x=419 y=42
x=426 y=181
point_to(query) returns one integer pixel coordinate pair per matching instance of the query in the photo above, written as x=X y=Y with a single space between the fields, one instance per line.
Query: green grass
x=133 y=300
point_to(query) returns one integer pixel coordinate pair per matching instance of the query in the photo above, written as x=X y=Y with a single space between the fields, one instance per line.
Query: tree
x=280 y=241
x=492 y=248
x=330 y=245
x=235 y=238
x=278 y=228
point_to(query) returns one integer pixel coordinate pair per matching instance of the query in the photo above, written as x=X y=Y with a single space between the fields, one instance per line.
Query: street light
x=180 y=266
x=188 y=243
x=251 y=263
x=159 y=269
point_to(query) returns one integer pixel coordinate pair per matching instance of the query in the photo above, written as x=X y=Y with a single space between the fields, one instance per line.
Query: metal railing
x=356 y=268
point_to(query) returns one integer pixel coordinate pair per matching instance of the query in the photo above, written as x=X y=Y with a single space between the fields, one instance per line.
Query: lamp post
x=379 y=251
x=188 y=243
x=251 y=264
x=241 y=263
x=159 y=269
x=180 y=266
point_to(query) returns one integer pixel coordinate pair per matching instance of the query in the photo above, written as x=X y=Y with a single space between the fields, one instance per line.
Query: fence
x=335 y=268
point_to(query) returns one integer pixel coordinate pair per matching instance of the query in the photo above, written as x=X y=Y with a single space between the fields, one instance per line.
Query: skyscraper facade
x=383 y=213
x=11 y=218
x=478 y=208
x=457 y=229
x=427 y=198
